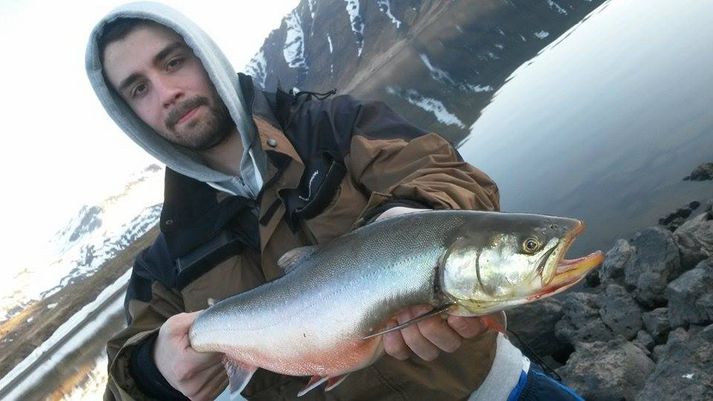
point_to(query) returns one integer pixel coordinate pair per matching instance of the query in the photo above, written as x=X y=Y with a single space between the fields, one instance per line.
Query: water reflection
x=605 y=123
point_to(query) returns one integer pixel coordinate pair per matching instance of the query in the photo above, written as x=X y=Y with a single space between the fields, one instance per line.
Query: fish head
x=510 y=260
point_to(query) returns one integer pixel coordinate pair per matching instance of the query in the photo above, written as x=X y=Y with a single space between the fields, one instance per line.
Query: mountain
x=436 y=62
x=88 y=240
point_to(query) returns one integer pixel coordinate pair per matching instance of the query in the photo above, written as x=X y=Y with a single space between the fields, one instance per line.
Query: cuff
x=148 y=378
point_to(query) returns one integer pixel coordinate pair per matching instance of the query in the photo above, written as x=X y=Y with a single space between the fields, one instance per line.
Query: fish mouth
x=570 y=271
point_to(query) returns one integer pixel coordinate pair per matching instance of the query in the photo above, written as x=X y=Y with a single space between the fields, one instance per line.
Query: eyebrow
x=160 y=56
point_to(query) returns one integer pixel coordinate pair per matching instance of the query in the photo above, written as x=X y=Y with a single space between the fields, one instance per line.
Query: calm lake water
x=606 y=121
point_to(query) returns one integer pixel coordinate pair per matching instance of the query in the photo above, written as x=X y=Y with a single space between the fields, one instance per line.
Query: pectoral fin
x=314 y=382
x=335 y=381
x=410 y=322
x=239 y=375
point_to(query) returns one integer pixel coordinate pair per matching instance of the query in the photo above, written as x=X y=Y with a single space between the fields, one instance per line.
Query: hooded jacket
x=315 y=169
x=223 y=77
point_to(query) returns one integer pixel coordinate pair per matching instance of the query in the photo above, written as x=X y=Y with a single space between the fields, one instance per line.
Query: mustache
x=181 y=109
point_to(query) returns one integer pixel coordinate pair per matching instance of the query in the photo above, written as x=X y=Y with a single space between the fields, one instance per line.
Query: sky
x=60 y=150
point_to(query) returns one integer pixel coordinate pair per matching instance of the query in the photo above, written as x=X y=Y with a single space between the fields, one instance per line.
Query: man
x=251 y=175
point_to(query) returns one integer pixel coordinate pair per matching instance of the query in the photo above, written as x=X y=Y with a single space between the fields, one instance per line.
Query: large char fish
x=324 y=318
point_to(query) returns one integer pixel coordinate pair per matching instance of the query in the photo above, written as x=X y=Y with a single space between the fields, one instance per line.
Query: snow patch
x=443 y=76
x=385 y=7
x=434 y=106
x=294 y=50
x=310 y=4
x=436 y=73
x=331 y=48
x=688 y=376
x=541 y=34
x=556 y=7
x=479 y=88
x=357 y=23
x=257 y=68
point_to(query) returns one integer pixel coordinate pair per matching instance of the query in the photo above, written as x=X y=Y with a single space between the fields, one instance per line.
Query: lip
x=184 y=118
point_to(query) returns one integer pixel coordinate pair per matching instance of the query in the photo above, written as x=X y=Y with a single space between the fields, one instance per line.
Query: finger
x=177 y=326
x=414 y=339
x=394 y=344
x=466 y=327
x=439 y=333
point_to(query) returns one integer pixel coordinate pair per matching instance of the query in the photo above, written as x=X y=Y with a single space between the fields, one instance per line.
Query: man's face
x=165 y=84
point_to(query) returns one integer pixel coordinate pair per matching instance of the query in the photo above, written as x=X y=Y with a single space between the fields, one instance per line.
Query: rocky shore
x=641 y=326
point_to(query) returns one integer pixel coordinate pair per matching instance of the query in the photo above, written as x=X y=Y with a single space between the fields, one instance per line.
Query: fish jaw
x=569 y=273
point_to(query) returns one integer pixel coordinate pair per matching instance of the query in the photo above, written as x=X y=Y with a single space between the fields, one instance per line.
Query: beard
x=200 y=133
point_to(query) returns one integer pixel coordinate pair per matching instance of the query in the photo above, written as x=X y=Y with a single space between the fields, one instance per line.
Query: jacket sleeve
x=149 y=303
x=393 y=161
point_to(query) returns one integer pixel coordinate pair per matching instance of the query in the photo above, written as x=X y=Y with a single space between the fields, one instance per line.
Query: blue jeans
x=538 y=386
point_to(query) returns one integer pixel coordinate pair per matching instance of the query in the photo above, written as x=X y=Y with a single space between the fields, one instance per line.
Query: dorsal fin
x=293 y=257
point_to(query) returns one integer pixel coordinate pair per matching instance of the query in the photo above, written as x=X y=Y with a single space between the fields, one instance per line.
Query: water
x=606 y=121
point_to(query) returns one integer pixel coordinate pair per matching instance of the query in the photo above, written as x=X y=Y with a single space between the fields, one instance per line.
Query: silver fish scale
x=346 y=290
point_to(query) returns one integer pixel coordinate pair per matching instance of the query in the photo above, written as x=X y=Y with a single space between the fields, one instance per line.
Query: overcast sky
x=59 y=148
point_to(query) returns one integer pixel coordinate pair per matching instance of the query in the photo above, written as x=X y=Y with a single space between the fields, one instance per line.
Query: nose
x=168 y=91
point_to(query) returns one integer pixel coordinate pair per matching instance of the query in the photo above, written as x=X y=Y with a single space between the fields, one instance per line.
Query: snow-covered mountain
x=95 y=235
x=436 y=62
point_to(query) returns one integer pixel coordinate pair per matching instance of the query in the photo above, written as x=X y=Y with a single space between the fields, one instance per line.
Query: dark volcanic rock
x=701 y=173
x=691 y=296
x=607 y=371
x=675 y=219
x=615 y=262
x=655 y=262
x=695 y=239
x=657 y=324
x=620 y=312
x=684 y=370
x=644 y=340
x=535 y=324
x=581 y=321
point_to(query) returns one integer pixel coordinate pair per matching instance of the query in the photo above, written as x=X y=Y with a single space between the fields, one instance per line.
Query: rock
x=607 y=371
x=691 y=296
x=644 y=341
x=695 y=239
x=701 y=173
x=684 y=370
x=654 y=263
x=581 y=321
x=613 y=267
x=535 y=324
x=657 y=324
x=620 y=312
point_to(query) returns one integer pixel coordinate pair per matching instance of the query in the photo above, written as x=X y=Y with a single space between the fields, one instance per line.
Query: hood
x=226 y=82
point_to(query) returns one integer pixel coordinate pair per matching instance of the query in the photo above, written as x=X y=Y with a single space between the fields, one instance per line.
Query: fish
x=326 y=316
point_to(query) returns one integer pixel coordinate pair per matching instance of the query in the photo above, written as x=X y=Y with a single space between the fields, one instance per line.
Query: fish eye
x=530 y=245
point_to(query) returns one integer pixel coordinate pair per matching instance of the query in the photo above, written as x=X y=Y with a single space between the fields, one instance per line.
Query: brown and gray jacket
x=333 y=164
x=311 y=170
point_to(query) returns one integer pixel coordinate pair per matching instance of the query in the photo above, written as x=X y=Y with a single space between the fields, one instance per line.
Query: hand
x=428 y=337
x=199 y=376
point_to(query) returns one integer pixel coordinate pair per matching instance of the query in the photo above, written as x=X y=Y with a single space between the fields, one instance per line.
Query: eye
x=530 y=245
x=139 y=90
x=174 y=63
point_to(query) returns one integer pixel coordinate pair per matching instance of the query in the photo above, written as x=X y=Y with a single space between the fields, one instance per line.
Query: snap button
x=272 y=142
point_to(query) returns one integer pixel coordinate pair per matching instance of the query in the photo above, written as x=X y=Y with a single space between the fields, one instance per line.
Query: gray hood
x=225 y=80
